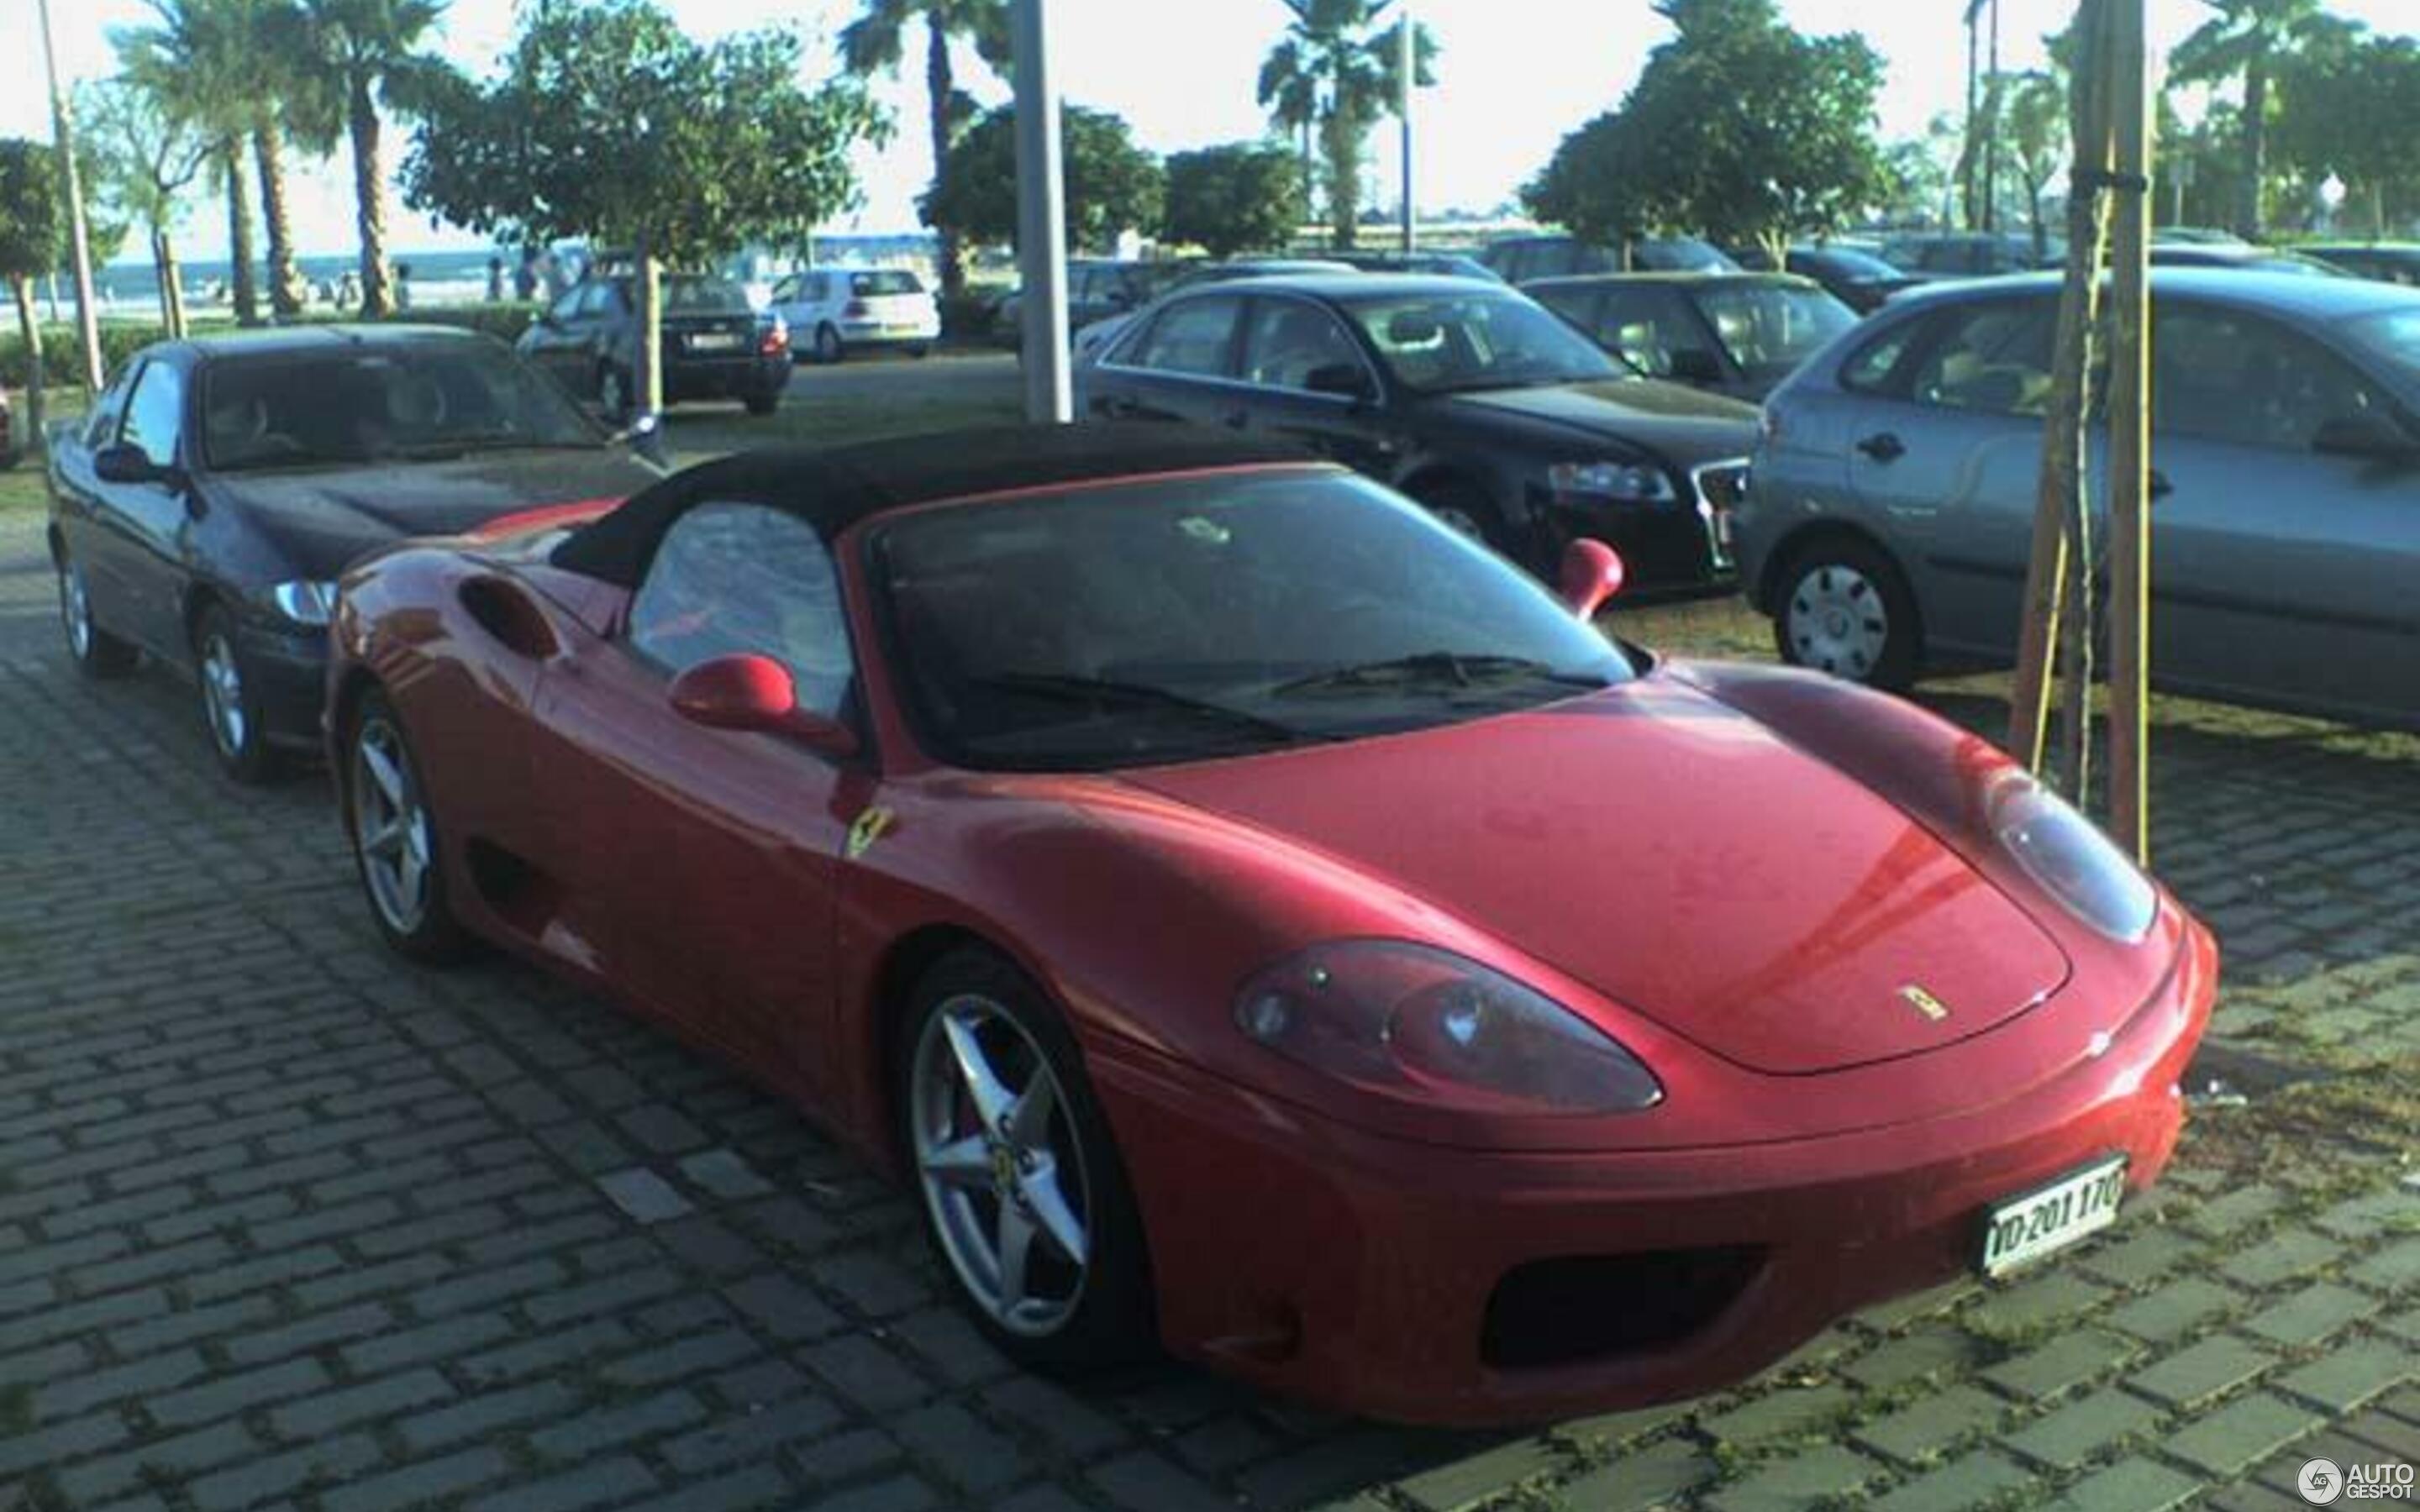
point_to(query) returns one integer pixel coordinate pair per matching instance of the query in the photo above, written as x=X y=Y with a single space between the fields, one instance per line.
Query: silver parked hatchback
x=1890 y=506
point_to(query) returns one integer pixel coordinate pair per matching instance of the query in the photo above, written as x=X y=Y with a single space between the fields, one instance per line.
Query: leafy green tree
x=2035 y=120
x=1233 y=198
x=143 y=161
x=294 y=107
x=33 y=237
x=1739 y=128
x=1111 y=184
x=191 y=63
x=368 y=54
x=2334 y=99
x=1336 y=72
x=877 y=42
x=607 y=122
x=2247 y=39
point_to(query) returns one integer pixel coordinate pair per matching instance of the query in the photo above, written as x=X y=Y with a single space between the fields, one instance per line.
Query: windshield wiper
x=1068 y=688
x=1449 y=669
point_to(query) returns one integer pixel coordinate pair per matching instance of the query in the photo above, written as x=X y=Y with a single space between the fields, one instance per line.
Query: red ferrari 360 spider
x=1255 y=918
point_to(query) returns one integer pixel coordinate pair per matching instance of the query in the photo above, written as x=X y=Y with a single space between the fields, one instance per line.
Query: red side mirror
x=1591 y=572
x=747 y=691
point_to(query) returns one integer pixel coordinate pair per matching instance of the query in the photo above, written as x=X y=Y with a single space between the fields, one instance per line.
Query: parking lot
x=284 y=1222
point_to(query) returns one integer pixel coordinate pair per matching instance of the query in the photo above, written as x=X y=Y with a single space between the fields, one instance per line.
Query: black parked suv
x=1508 y=425
x=716 y=345
x=1522 y=259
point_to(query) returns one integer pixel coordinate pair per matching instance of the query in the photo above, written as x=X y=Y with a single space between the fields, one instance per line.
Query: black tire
x=1109 y=1316
x=1841 y=606
x=919 y=352
x=614 y=397
x=96 y=653
x=762 y=403
x=1467 y=510
x=828 y=344
x=430 y=933
x=230 y=700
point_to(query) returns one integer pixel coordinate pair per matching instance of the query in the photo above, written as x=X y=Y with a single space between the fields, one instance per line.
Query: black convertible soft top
x=834 y=488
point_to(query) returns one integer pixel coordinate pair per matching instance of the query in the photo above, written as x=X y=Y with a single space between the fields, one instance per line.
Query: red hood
x=1677 y=856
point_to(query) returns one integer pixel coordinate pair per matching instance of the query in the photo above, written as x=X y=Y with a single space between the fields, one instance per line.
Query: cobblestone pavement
x=282 y=1223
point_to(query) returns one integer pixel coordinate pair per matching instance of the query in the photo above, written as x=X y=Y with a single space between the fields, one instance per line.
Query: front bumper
x=287 y=668
x=1358 y=1271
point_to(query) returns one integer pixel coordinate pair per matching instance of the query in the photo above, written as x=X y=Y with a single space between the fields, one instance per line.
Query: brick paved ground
x=284 y=1223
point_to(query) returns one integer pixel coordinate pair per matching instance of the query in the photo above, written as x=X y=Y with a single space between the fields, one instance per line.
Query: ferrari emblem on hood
x=1924 y=1002
x=868 y=827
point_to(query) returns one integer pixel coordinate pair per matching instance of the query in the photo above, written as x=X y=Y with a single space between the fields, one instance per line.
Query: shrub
x=63 y=349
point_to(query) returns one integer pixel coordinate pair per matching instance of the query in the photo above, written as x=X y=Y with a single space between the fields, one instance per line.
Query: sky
x=1514 y=77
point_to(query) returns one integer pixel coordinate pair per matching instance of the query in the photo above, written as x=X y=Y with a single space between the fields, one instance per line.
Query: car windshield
x=1769 y=329
x=2393 y=338
x=1182 y=618
x=883 y=280
x=1456 y=342
x=1847 y=262
x=692 y=294
x=345 y=405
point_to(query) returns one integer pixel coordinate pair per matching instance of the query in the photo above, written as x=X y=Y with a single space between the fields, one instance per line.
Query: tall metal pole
x=63 y=124
x=2130 y=438
x=1407 y=66
x=1041 y=220
x=1992 y=96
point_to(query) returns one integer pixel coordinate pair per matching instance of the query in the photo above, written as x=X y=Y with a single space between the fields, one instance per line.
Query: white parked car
x=831 y=310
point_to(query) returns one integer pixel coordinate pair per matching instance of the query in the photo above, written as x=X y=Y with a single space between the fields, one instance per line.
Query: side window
x=1870 y=370
x=1649 y=327
x=155 y=413
x=733 y=577
x=100 y=428
x=2223 y=377
x=1994 y=357
x=1289 y=340
x=1194 y=337
x=1577 y=305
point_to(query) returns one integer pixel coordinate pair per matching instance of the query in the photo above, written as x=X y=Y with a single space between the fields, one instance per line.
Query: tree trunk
x=370 y=201
x=2256 y=142
x=240 y=254
x=36 y=379
x=939 y=84
x=172 y=274
x=159 y=272
x=284 y=278
x=1343 y=134
x=1310 y=179
x=1776 y=248
x=649 y=386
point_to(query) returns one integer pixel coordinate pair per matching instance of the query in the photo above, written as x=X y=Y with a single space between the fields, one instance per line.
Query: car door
x=553 y=340
x=2281 y=571
x=135 y=564
x=1944 y=456
x=702 y=863
x=81 y=496
x=1654 y=329
x=1297 y=362
x=1179 y=367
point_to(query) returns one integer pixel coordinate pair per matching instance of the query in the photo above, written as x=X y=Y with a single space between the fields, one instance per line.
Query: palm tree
x=193 y=65
x=293 y=103
x=1334 y=69
x=368 y=52
x=2250 y=38
x=876 y=41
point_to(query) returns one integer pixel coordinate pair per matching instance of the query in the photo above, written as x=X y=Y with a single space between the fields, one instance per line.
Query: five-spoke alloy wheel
x=394 y=836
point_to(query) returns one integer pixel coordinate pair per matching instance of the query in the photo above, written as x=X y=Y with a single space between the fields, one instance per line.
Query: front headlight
x=2069 y=857
x=305 y=602
x=1638 y=483
x=1425 y=1027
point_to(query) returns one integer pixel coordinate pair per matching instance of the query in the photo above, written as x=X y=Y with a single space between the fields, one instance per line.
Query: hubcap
x=75 y=609
x=1461 y=521
x=390 y=826
x=222 y=696
x=1837 y=622
x=1000 y=1166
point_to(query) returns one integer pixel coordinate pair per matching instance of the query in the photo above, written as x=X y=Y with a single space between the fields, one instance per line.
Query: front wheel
x=394 y=837
x=231 y=701
x=1465 y=510
x=95 y=651
x=1023 y=1194
x=1845 y=608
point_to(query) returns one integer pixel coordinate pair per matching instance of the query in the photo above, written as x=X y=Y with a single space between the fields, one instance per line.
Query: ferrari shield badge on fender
x=869 y=826
x=1932 y=1008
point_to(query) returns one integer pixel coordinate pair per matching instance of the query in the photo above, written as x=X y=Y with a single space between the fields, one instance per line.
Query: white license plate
x=2023 y=1229
x=714 y=340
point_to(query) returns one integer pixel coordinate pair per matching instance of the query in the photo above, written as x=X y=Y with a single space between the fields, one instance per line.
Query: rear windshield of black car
x=346 y=406
x=688 y=294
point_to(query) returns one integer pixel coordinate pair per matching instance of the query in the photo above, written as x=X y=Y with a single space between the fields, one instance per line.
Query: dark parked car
x=1098 y=288
x=1505 y=422
x=716 y=345
x=2242 y=259
x=1090 y=341
x=1970 y=254
x=1522 y=259
x=1853 y=275
x=1887 y=527
x=2389 y=262
x=1442 y=264
x=1734 y=333
x=201 y=512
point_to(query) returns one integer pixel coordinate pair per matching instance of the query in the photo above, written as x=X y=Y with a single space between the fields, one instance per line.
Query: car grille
x=1721 y=488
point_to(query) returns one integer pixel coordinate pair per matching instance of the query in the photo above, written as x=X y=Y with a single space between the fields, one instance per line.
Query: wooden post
x=2130 y=437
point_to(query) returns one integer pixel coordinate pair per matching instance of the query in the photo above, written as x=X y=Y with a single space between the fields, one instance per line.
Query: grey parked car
x=1889 y=512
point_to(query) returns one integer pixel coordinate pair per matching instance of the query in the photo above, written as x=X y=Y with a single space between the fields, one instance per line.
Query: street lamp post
x=63 y=125
x=1041 y=220
x=1406 y=68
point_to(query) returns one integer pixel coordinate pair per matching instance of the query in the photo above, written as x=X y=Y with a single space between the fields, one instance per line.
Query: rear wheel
x=827 y=346
x=231 y=701
x=1845 y=609
x=614 y=394
x=95 y=651
x=394 y=837
x=1023 y=1193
